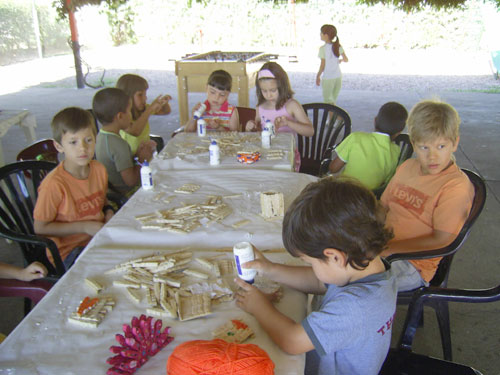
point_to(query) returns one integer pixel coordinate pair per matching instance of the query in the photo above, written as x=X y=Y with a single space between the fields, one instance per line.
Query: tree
x=416 y=5
x=119 y=17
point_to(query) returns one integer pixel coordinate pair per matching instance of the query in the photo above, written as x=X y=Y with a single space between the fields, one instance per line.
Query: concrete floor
x=475 y=334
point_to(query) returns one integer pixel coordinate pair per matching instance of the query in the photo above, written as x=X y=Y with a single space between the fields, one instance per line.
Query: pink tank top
x=272 y=114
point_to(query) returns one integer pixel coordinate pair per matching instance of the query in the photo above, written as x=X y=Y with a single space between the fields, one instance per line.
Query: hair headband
x=265 y=73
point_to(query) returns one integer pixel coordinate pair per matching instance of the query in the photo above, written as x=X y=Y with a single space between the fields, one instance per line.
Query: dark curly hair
x=336 y=213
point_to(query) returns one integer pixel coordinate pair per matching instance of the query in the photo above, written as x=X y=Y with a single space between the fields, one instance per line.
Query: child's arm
x=35 y=270
x=436 y=240
x=320 y=72
x=336 y=165
x=301 y=123
x=191 y=124
x=287 y=334
x=344 y=58
x=138 y=125
x=253 y=125
x=234 y=121
x=61 y=229
x=301 y=278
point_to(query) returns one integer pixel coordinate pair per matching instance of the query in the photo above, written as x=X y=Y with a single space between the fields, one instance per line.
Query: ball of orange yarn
x=200 y=357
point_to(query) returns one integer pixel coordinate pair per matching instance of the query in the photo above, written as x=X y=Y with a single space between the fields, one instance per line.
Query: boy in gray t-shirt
x=337 y=227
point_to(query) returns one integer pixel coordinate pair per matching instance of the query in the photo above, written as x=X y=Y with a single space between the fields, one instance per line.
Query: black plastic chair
x=43 y=149
x=17 y=200
x=402 y=360
x=327 y=135
x=245 y=114
x=440 y=279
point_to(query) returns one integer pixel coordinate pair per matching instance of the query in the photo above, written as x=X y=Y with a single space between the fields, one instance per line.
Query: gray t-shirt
x=114 y=152
x=351 y=332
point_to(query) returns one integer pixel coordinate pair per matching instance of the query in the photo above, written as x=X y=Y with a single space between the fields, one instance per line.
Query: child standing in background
x=218 y=114
x=331 y=55
x=275 y=103
x=138 y=132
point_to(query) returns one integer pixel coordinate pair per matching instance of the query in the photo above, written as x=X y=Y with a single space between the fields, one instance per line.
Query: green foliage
x=17 y=35
x=121 y=21
x=61 y=6
x=419 y=5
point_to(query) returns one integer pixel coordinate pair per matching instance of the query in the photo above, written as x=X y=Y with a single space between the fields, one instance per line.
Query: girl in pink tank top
x=275 y=103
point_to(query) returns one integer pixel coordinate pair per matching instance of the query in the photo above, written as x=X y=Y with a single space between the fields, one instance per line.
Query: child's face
x=216 y=97
x=434 y=155
x=79 y=147
x=324 y=37
x=269 y=89
x=329 y=271
x=140 y=99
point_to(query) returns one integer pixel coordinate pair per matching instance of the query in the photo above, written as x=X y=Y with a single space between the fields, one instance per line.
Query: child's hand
x=92 y=227
x=35 y=270
x=108 y=216
x=280 y=121
x=145 y=151
x=213 y=123
x=249 y=298
x=195 y=108
x=260 y=263
x=250 y=126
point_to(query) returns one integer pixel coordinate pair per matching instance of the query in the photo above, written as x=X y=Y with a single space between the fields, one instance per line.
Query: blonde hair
x=430 y=119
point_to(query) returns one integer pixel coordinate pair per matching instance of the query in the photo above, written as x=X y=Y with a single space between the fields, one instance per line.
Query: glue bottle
x=214 y=152
x=146 y=176
x=243 y=252
x=271 y=127
x=266 y=138
x=202 y=127
x=200 y=111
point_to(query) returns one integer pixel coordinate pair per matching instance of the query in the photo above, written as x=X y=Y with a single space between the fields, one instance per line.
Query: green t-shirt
x=370 y=157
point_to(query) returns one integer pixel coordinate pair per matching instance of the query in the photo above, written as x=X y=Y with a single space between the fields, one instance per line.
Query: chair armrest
x=432 y=293
x=160 y=143
x=34 y=290
x=177 y=131
x=426 y=254
x=39 y=241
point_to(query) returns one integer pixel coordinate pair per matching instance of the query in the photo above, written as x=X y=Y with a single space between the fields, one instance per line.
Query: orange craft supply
x=201 y=357
x=86 y=304
x=239 y=324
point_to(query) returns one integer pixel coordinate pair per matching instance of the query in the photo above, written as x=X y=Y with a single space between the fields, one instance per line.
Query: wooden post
x=75 y=46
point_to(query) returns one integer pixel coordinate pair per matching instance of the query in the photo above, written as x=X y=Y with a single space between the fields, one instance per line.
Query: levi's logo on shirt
x=410 y=198
x=90 y=205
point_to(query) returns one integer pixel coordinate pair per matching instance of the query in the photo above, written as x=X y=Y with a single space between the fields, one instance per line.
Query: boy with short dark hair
x=112 y=107
x=372 y=158
x=70 y=208
x=219 y=114
x=337 y=227
x=429 y=197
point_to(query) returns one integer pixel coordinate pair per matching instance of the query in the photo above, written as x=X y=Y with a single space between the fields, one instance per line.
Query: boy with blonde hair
x=429 y=197
x=113 y=108
x=322 y=227
x=71 y=205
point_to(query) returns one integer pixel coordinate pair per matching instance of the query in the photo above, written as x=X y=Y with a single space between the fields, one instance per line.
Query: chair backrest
x=40 y=150
x=403 y=141
x=245 y=114
x=328 y=132
x=18 y=195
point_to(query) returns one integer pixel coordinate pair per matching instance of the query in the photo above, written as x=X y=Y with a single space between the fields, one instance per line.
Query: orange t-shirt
x=419 y=204
x=64 y=198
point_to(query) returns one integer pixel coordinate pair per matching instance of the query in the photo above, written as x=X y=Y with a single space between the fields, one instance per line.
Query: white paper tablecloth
x=45 y=343
x=169 y=158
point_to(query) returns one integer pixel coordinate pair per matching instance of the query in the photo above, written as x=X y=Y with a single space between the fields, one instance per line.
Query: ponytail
x=336 y=46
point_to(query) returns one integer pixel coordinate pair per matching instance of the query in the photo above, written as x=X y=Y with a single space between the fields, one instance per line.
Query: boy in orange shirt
x=70 y=208
x=429 y=197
